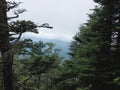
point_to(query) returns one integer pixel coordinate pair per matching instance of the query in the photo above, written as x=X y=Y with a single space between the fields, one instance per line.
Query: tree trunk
x=4 y=48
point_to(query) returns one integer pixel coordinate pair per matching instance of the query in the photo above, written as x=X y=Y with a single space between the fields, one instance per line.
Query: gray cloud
x=64 y=15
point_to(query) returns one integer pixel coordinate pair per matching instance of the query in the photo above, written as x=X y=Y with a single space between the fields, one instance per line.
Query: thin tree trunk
x=4 y=48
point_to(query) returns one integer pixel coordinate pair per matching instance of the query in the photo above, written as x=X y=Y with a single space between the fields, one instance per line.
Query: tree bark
x=4 y=48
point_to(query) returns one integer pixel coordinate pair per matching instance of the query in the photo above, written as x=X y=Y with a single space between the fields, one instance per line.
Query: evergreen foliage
x=9 y=44
x=37 y=70
x=95 y=48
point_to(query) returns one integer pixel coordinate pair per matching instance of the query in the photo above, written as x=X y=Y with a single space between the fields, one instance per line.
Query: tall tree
x=6 y=47
x=96 y=47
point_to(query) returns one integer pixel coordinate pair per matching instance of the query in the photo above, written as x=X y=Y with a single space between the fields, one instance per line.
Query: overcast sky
x=64 y=15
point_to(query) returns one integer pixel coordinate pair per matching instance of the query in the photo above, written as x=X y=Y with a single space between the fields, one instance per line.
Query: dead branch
x=45 y=25
x=11 y=5
x=17 y=13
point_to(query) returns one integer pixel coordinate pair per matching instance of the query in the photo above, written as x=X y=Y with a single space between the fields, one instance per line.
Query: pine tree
x=39 y=69
x=97 y=46
x=8 y=42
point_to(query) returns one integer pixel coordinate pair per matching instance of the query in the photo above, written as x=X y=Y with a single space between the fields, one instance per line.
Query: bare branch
x=17 y=12
x=45 y=25
x=9 y=18
x=11 y=5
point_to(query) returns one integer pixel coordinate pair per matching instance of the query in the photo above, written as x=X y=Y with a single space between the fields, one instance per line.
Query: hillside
x=63 y=45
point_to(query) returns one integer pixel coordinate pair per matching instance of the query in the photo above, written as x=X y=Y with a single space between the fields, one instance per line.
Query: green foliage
x=40 y=69
x=22 y=26
x=19 y=74
x=117 y=80
x=95 y=49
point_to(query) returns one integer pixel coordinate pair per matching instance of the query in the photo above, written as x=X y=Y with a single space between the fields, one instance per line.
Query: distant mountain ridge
x=63 y=45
